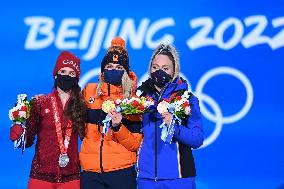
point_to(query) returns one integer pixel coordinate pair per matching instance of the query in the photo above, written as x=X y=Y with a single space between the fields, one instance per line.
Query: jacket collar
x=148 y=88
x=115 y=92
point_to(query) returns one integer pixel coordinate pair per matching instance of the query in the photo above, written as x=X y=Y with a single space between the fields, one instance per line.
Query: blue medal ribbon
x=168 y=131
x=107 y=120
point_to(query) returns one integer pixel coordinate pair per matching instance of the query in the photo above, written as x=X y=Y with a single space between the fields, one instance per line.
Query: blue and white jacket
x=158 y=160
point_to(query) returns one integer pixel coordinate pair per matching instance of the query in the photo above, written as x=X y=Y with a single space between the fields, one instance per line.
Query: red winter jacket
x=45 y=162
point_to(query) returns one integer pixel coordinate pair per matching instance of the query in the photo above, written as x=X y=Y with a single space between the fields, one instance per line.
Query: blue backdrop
x=230 y=51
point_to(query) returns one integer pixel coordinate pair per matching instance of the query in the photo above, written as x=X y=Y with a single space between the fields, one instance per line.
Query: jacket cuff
x=122 y=133
x=116 y=129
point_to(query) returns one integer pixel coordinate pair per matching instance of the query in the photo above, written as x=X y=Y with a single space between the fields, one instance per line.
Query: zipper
x=156 y=137
x=162 y=92
x=101 y=153
x=102 y=141
x=156 y=150
x=108 y=89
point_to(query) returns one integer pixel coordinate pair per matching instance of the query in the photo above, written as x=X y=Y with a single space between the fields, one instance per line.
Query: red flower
x=15 y=114
x=141 y=108
x=179 y=81
x=178 y=97
x=135 y=104
x=185 y=104
x=24 y=108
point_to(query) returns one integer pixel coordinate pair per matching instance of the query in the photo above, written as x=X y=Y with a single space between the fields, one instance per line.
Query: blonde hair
x=170 y=49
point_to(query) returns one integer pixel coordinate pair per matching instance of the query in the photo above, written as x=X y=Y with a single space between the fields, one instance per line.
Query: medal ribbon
x=63 y=145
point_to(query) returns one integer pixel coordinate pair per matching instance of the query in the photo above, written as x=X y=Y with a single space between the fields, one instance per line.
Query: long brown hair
x=77 y=111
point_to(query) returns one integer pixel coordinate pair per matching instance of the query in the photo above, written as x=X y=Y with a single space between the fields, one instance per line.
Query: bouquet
x=136 y=106
x=179 y=107
x=19 y=114
x=128 y=106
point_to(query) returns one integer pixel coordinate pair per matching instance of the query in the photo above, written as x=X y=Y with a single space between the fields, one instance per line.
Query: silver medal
x=63 y=160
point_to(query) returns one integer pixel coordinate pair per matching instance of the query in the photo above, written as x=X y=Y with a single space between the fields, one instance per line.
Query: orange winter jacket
x=115 y=150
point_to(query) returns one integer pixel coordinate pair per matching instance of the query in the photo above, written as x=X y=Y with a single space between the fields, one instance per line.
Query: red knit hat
x=67 y=59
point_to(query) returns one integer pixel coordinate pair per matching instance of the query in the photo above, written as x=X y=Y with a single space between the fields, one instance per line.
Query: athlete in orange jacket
x=108 y=160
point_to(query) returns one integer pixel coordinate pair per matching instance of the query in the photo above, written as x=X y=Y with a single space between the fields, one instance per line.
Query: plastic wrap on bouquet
x=107 y=120
x=168 y=131
x=19 y=114
x=21 y=142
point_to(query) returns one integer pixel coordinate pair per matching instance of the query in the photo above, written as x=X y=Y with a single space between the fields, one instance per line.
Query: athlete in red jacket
x=56 y=120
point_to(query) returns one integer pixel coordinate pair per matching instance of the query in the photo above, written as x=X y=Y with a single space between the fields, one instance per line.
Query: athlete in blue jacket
x=160 y=164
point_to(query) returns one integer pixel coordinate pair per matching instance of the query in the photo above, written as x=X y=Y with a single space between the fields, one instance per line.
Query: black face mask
x=66 y=82
x=160 y=78
x=113 y=77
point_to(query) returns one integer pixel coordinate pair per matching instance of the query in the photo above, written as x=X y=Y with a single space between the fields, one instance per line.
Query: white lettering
x=154 y=28
x=97 y=40
x=65 y=32
x=135 y=37
x=39 y=26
